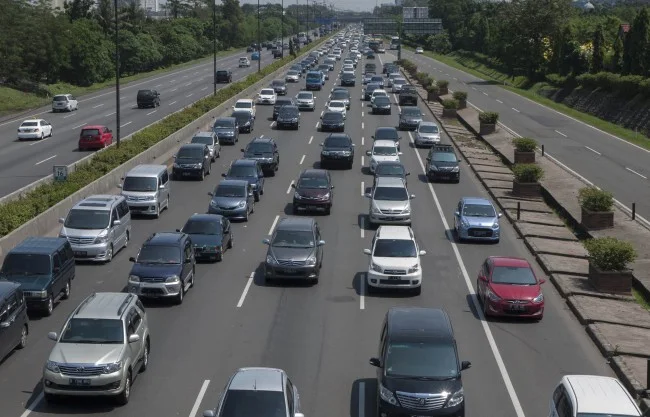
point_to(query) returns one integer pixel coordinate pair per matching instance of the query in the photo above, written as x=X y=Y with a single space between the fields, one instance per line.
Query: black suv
x=337 y=148
x=332 y=121
x=288 y=117
x=224 y=76
x=442 y=164
x=418 y=370
x=281 y=102
x=264 y=151
x=192 y=160
x=148 y=98
x=348 y=80
x=245 y=120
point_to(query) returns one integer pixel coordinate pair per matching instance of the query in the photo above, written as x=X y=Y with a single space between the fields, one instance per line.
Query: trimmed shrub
x=525 y=144
x=595 y=199
x=433 y=89
x=460 y=95
x=442 y=83
x=610 y=254
x=488 y=117
x=527 y=173
x=450 y=104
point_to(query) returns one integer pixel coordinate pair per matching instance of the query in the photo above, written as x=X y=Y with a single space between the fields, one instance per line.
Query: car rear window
x=60 y=98
x=222 y=72
x=90 y=132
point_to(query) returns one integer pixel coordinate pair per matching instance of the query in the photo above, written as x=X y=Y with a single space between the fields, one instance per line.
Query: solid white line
x=204 y=88
x=246 y=288
x=362 y=160
x=184 y=76
x=362 y=399
x=275 y=221
x=593 y=150
x=188 y=84
x=477 y=307
x=499 y=101
x=516 y=110
x=126 y=124
x=362 y=140
x=560 y=133
x=45 y=160
x=362 y=126
x=363 y=189
x=310 y=139
x=189 y=95
x=110 y=114
x=474 y=88
x=362 y=301
x=77 y=127
x=97 y=106
x=302 y=159
x=199 y=398
x=172 y=103
x=634 y=172
x=151 y=112
x=32 y=406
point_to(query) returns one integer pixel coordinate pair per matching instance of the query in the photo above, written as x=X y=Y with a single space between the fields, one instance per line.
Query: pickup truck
x=408 y=96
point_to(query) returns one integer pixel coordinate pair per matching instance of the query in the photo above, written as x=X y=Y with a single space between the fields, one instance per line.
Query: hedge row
x=15 y=213
x=627 y=86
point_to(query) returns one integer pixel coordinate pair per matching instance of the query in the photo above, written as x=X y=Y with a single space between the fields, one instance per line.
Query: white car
x=267 y=96
x=64 y=102
x=305 y=100
x=337 y=53
x=34 y=129
x=391 y=78
x=349 y=61
x=419 y=50
x=244 y=62
x=245 y=104
x=338 y=106
x=347 y=67
x=394 y=259
x=398 y=83
x=292 y=76
x=378 y=93
x=382 y=150
x=427 y=134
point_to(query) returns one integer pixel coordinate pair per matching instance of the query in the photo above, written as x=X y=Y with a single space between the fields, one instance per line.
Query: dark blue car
x=249 y=170
x=211 y=235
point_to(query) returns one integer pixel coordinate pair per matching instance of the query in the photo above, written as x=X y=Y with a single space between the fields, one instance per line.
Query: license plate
x=290 y=270
x=394 y=278
x=80 y=253
x=186 y=173
x=480 y=233
x=150 y=291
x=76 y=382
x=312 y=207
x=517 y=308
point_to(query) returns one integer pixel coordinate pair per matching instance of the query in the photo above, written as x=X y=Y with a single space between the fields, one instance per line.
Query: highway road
x=603 y=159
x=323 y=335
x=22 y=163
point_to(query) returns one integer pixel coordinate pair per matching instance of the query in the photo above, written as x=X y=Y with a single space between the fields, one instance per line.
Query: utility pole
x=282 y=32
x=117 y=76
x=214 y=44
x=259 y=40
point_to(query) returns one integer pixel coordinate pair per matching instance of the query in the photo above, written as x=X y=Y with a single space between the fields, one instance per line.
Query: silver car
x=390 y=202
x=211 y=140
x=147 y=189
x=305 y=100
x=398 y=83
x=233 y=199
x=64 y=102
x=427 y=134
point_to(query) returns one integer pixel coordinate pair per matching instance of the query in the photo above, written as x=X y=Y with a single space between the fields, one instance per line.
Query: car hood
x=266 y=97
x=443 y=164
x=282 y=117
x=417 y=386
x=398 y=263
x=227 y=201
x=480 y=221
x=291 y=254
x=67 y=231
x=391 y=205
x=251 y=180
x=381 y=158
x=78 y=353
x=188 y=160
x=206 y=240
x=156 y=270
x=258 y=156
x=337 y=149
x=28 y=282
x=224 y=131
x=382 y=105
x=410 y=119
x=336 y=109
x=515 y=292
x=428 y=135
x=312 y=192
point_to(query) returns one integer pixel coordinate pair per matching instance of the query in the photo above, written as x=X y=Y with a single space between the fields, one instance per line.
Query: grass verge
x=640 y=299
x=12 y=101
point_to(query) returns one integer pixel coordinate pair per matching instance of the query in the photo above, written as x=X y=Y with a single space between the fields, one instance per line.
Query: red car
x=509 y=287
x=95 y=137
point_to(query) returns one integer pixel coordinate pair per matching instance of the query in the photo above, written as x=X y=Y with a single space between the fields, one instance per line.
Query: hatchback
x=95 y=137
x=476 y=218
x=233 y=199
x=249 y=170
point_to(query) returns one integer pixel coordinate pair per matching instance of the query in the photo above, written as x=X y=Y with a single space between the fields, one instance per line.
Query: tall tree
x=104 y=15
x=617 y=58
x=78 y=9
x=639 y=42
x=598 y=50
x=233 y=19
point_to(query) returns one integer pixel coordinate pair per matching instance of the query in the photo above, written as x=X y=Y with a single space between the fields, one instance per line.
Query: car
x=427 y=133
x=277 y=53
x=341 y=94
x=331 y=63
x=211 y=140
x=377 y=79
x=35 y=129
x=211 y=235
x=382 y=105
x=296 y=67
x=148 y=98
x=255 y=56
x=337 y=148
x=192 y=160
x=64 y=102
x=332 y=121
x=348 y=79
x=14 y=319
x=258 y=392
x=508 y=287
x=476 y=218
x=233 y=199
x=288 y=117
x=102 y=347
x=245 y=121
x=223 y=76
x=442 y=164
x=410 y=118
x=313 y=191
x=391 y=78
x=280 y=102
x=390 y=202
x=419 y=50
x=350 y=61
x=280 y=87
x=295 y=250
x=305 y=100
x=244 y=62
x=245 y=104
x=398 y=83
x=370 y=55
x=381 y=50
x=292 y=76
x=389 y=67
x=325 y=69
x=314 y=80
x=347 y=68
x=265 y=151
x=394 y=260
x=267 y=96
x=368 y=90
x=337 y=106
x=249 y=170
x=379 y=92
x=147 y=189
x=95 y=137
x=382 y=150
x=387 y=133
x=390 y=169
x=367 y=77
x=227 y=129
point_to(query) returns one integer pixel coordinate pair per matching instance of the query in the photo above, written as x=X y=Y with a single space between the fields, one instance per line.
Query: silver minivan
x=390 y=202
x=97 y=227
x=210 y=139
x=147 y=189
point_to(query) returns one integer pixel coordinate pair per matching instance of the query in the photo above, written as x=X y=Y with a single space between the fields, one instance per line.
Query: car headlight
x=198 y=165
x=40 y=294
x=455 y=169
x=464 y=222
x=63 y=235
x=495 y=226
x=492 y=296
x=134 y=279
x=297 y=196
x=457 y=398
x=539 y=298
x=102 y=238
x=326 y=197
x=213 y=204
x=325 y=153
x=174 y=279
x=270 y=260
x=311 y=261
x=241 y=204
x=376 y=210
x=387 y=395
x=52 y=366
x=376 y=267
x=407 y=209
x=415 y=268
x=109 y=368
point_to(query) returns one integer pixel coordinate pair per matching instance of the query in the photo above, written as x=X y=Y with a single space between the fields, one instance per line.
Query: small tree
x=595 y=199
x=460 y=95
x=450 y=104
x=610 y=254
x=488 y=117
x=527 y=173
x=525 y=144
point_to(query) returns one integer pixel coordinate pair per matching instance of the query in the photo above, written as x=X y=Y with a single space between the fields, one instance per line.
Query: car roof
x=146 y=170
x=240 y=113
x=391 y=163
x=296 y=223
x=235 y=183
x=261 y=140
x=394 y=232
x=311 y=93
x=205 y=134
x=337 y=102
x=244 y=100
x=226 y=119
x=600 y=395
x=391 y=182
x=33 y=120
x=164 y=238
x=267 y=89
x=477 y=200
x=108 y=305
x=419 y=323
x=385 y=129
x=338 y=135
x=510 y=262
x=385 y=142
x=244 y=162
x=93 y=127
x=39 y=245
x=206 y=217
x=426 y=123
x=314 y=172
x=193 y=146
x=100 y=201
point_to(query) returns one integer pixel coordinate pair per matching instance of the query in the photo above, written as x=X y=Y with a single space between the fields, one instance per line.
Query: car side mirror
x=368 y=195
x=293 y=185
x=331 y=187
x=500 y=214
x=423 y=252
x=369 y=153
x=209 y=413
x=62 y=220
x=223 y=175
x=266 y=241
x=162 y=187
x=134 y=338
x=119 y=185
x=465 y=365
x=375 y=362
x=367 y=252
x=211 y=194
x=321 y=243
x=321 y=144
x=407 y=174
x=174 y=156
x=5 y=324
x=116 y=222
x=353 y=145
x=53 y=336
x=542 y=281
x=457 y=213
x=399 y=153
x=483 y=278
x=131 y=259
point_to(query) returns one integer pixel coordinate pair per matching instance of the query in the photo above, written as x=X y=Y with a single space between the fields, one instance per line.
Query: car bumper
x=95 y=144
x=387 y=410
x=348 y=83
x=36 y=303
x=424 y=141
x=143 y=207
x=376 y=218
x=303 y=106
x=100 y=385
x=443 y=175
x=505 y=309
x=332 y=128
x=238 y=213
x=289 y=272
x=186 y=172
x=201 y=253
x=408 y=126
x=154 y=290
x=227 y=139
x=336 y=158
x=61 y=108
x=479 y=233
x=312 y=205
x=379 y=110
x=34 y=135
x=281 y=92
x=266 y=102
x=379 y=280
x=95 y=252
x=294 y=125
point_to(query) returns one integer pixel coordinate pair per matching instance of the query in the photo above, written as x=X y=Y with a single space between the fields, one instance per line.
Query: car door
x=260 y=177
x=276 y=154
x=118 y=229
x=319 y=249
x=188 y=261
x=164 y=181
x=108 y=136
x=5 y=332
x=217 y=145
x=67 y=266
x=58 y=282
x=484 y=271
x=16 y=309
x=459 y=212
x=134 y=326
x=226 y=232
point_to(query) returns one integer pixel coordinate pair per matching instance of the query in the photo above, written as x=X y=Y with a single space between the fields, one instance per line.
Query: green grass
x=521 y=86
x=640 y=299
x=12 y=101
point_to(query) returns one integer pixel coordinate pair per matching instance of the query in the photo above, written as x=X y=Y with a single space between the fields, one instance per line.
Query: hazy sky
x=356 y=5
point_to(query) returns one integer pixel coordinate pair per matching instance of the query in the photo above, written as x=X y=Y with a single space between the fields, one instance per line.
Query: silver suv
x=103 y=346
x=211 y=140
x=390 y=202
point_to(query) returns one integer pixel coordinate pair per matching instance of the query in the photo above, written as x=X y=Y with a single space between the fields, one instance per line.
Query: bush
x=488 y=117
x=527 y=173
x=433 y=89
x=525 y=144
x=595 y=199
x=450 y=104
x=610 y=254
x=443 y=83
x=460 y=95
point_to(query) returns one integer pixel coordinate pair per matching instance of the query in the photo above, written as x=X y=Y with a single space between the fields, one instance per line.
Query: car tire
x=417 y=290
x=256 y=197
x=22 y=343
x=50 y=306
x=202 y=176
x=181 y=295
x=124 y=396
x=67 y=290
x=145 y=357
x=230 y=241
x=109 y=255
x=157 y=214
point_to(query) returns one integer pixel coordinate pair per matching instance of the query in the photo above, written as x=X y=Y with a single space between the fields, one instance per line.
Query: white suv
x=394 y=260
x=382 y=150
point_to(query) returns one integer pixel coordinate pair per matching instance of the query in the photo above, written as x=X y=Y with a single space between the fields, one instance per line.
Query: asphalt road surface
x=604 y=159
x=323 y=335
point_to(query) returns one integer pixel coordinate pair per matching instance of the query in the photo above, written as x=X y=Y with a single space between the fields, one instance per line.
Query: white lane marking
x=560 y=133
x=184 y=76
x=631 y=170
x=246 y=288
x=302 y=159
x=70 y=115
x=362 y=114
x=98 y=106
x=362 y=140
x=172 y=103
x=363 y=189
x=158 y=85
x=188 y=84
x=204 y=88
x=477 y=307
x=199 y=398
x=40 y=141
x=126 y=124
x=45 y=160
x=455 y=78
x=310 y=139
x=362 y=306
x=593 y=150
x=322 y=113
x=362 y=161
x=272 y=124
x=31 y=407
x=77 y=127
x=288 y=191
x=363 y=228
x=317 y=123
x=516 y=110
x=122 y=98
x=110 y=114
x=275 y=221
x=499 y=101
x=172 y=81
x=474 y=88
x=189 y=95
x=484 y=93
x=362 y=126
x=173 y=90
x=151 y=112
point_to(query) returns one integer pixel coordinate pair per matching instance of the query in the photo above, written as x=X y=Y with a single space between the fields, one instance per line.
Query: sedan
x=34 y=129
x=342 y=95
x=427 y=133
x=280 y=87
x=508 y=287
x=267 y=96
x=210 y=234
x=337 y=106
x=476 y=218
x=381 y=105
x=419 y=50
x=292 y=76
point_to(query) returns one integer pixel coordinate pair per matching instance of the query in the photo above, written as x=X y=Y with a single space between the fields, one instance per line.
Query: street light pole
x=259 y=40
x=117 y=77
x=282 y=32
x=214 y=44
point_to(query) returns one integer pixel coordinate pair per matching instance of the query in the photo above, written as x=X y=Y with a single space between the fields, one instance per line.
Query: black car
x=148 y=98
x=313 y=191
x=13 y=316
x=410 y=118
x=277 y=53
x=382 y=105
x=265 y=151
x=282 y=102
x=249 y=170
x=192 y=160
x=442 y=164
x=288 y=117
x=245 y=120
x=227 y=129
x=211 y=236
x=337 y=148
x=223 y=76
x=280 y=87
x=370 y=67
x=390 y=169
x=348 y=80
x=332 y=122
x=418 y=370
x=387 y=133
x=367 y=92
x=377 y=79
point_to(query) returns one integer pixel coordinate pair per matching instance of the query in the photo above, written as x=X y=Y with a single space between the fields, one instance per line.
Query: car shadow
x=71 y=405
x=423 y=178
x=470 y=304
x=160 y=303
x=363 y=397
x=364 y=223
x=316 y=165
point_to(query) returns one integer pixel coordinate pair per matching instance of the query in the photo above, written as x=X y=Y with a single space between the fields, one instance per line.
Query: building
x=415 y=13
x=399 y=2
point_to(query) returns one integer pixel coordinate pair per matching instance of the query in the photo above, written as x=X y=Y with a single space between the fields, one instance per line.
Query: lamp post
x=282 y=32
x=117 y=77
x=214 y=45
x=259 y=40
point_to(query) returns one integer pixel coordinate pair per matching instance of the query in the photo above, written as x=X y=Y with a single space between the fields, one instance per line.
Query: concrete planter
x=611 y=282
x=524 y=157
x=596 y=220
x=526 y=189
x=444 y=91
x=449 y=113
x=432 y=96
x=486 y=128
x=462 y=104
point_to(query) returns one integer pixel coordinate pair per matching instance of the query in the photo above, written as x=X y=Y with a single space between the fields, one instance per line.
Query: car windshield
x=428 y=129
x=347 y=76
x=222 y=72
x=189 y=153
x=293 y=239
x=26 y=264
x=305 y=96
x=391 y=194
x=277 y=83
x=206 y=140
x=513 y=275
x=87 y=219
x=337 y=104
x=202 y=227
x=292 y=72
x=395 y=248
x=443 y=157
x=243 y=105
x=224 y=124
x=337 y=142
x=242 y=171
x=251 y=403
x=386 y=134
x=384 y=150
x=339 y=95
x=140 y=184
x=259 y=147
x=267 y=92
x=230 y=191
x=313 y=77
x=382 y=100
x=159 y=254
x=399 y=81
x=415 y=112
x=95 y=331
x=478 y=210
x=242 y=116
x=389 y=170
x=318 y=182
x=60 y=98
x=289 y=112
x=377 y=79
x=421 y=360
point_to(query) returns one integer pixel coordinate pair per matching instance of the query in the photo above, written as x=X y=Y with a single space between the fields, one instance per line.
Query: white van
x=147 y=189
x=591 y=395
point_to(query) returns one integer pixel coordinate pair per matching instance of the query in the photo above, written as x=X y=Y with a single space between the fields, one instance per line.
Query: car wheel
x=50 y=306
x=123 y=397
x=192 y=279
x=66 y=291
x=157 y=215
x=230 y=241
x=202 y=177
x=248 y=212
x=109 y=255
x=145 y=357
x=23 y=338
x=51 y=132
x=181 y=294
x=42 y=136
